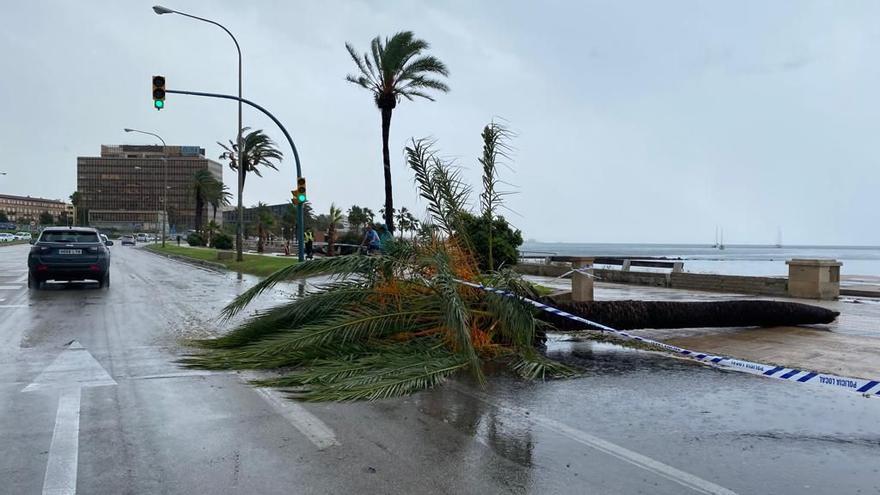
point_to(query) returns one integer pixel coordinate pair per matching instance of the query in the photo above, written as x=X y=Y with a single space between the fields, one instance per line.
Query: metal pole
x=299 y=208
x=165 y=175
x=165 y=200
x=239 y=236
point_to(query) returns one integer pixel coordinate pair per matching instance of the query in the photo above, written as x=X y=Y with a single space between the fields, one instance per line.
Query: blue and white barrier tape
x=864 y=387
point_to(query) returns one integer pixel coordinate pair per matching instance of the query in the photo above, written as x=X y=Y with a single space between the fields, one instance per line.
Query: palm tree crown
x=394 y=68
x=260 y=151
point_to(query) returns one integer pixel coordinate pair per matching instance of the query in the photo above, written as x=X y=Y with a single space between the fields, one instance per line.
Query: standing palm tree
x=260 y=150
x=333 y=219
x=395 y=68
x=219 y=197
x=76 y=200
x=265 y=219
x=202 y=184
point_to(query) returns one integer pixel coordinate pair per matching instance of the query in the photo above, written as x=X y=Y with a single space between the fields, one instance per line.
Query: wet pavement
x=849 y=346
x=635 y=422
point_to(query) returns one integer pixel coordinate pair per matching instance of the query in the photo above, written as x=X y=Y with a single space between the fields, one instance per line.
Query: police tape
x=858 y=385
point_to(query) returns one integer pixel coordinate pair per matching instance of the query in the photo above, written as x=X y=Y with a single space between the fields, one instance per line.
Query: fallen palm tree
x=627 y=315
x=396 y=323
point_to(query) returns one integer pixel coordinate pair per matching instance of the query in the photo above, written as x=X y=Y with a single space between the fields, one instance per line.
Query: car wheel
x=33 y=283
x=105 y=282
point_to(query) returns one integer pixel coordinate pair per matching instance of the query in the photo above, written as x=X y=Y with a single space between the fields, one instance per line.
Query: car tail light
x=42 y=268
x=95 y=268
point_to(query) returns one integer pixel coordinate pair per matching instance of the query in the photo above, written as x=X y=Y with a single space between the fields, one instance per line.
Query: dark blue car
x=69 y=253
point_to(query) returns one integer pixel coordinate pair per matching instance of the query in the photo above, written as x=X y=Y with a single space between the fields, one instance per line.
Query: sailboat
x=715 y=245
x=721 y=240
x=779 y=237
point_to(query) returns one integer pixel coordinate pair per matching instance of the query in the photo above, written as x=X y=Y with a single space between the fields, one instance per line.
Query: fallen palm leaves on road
x=392 y=324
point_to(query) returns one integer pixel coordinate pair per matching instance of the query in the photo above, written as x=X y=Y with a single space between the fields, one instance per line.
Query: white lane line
x=11 y=287
x=63 y=453
x=682 y=478
x=10 y=306
x=307 y=423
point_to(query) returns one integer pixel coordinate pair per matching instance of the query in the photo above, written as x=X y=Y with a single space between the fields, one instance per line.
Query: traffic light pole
x=300 y=215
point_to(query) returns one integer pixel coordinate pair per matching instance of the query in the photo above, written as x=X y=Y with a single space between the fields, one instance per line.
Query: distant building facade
x=24 y=209
x=123 y=188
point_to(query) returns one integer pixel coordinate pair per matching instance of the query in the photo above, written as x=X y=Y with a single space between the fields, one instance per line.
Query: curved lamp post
x=164 y=178
x=239 y=235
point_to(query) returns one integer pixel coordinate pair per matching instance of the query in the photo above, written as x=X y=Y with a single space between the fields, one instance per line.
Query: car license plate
x=70 y=251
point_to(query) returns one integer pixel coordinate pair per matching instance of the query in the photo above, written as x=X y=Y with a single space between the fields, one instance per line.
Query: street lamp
x=164 y=178
x=239 y=235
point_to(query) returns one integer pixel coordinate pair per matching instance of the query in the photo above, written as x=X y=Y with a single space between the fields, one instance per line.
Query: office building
x=25 y=209
x=123 y=188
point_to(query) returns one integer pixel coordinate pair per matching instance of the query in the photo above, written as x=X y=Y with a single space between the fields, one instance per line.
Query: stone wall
x=765 y=286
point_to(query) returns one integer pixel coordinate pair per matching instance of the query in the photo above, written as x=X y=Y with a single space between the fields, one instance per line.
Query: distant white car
x=142 y=237
x=23 y=236
x=4 y=237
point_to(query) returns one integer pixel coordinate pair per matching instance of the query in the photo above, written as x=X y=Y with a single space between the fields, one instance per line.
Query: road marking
x=685 y=479
x=11 y=287
x=9 y=306
x=73 y=369
x=63 y=453
x=307 y=423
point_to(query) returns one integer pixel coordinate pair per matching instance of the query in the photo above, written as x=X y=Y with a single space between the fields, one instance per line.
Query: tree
x=333 y=220
x=394 y=323
x=260 y=151
x=202 y=185
x=505 y=241
x=81 y=213
x=495 y=149
x=46 y=218
x=265 y=220
x=396 y=68
x=63 y=219
x=406 y=222
x=359 y=217
x=218 y=197
x=3 y=217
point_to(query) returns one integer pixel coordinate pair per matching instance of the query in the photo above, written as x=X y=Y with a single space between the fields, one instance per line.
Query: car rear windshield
x=70 y=236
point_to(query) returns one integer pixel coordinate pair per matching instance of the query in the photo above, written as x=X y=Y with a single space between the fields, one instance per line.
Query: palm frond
x=533 y=366
x=326 y=301
x=334 y=265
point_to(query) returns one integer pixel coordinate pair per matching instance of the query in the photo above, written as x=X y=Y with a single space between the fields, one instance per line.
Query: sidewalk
x=850 y=346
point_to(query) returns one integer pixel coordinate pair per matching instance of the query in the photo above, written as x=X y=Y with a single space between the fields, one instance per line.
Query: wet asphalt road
x=634 y=423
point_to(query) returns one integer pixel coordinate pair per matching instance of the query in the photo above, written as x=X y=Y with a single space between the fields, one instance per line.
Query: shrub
x=222 y=241
x=505 y=240
x=195 y=239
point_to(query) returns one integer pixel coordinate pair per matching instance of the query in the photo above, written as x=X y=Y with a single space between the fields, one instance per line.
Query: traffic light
x=301 y=190
x=159 y=92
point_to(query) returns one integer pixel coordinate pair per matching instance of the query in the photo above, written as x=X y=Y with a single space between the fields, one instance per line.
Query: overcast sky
x=636 y=121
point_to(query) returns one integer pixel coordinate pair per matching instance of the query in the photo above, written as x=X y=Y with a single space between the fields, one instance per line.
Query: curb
x=190 y=261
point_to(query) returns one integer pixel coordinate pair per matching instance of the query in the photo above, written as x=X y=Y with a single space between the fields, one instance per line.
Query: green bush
x=222 y=241
x=195 y=239
x=505 y=241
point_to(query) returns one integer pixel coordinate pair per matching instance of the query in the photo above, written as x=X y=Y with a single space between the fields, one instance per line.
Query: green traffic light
x=159 y=104
x=301 y=198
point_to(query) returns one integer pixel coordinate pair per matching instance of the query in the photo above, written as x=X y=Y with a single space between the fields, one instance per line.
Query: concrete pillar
x=813 y=278
x=581 y=283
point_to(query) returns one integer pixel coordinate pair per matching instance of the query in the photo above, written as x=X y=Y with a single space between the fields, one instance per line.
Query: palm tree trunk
x=200 y=204
x=386 y=158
